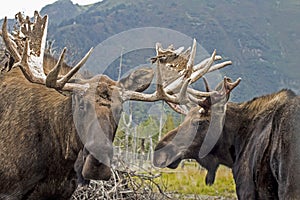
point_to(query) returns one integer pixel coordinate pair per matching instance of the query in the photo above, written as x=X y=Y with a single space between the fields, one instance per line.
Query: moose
x=258 y=139
x=46 y=120
x=58 y=127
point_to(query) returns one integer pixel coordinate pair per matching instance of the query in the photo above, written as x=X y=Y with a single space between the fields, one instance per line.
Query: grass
x=162 y=184
x=191 y=181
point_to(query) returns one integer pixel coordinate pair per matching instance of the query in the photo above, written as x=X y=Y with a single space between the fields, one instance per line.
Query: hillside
x=262 y=38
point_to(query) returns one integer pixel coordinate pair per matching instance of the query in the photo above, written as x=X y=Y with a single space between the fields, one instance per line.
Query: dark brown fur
x=260 y=141
x=39 y=139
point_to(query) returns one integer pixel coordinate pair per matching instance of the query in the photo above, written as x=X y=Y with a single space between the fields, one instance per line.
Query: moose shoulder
x=260 y=141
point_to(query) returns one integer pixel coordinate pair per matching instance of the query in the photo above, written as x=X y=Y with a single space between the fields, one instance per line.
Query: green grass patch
x=191 y=180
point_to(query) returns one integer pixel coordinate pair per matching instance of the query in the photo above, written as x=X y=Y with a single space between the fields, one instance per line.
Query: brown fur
x=260 y=141
x=33 y=145
x=257 y=105
x=43 y=130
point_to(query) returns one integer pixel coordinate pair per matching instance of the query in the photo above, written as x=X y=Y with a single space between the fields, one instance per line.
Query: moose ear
x=138 y=80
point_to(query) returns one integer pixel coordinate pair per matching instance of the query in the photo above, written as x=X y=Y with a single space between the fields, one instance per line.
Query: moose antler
x=159 y=94
x=178 y=65
x=162 y=92
x=27 y=44
x=175 y=71
x=221 y=91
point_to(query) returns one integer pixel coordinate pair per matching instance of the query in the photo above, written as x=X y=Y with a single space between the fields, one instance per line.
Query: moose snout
x=95 y=170
x=98 y=161
x=166 y=156
x=160 y=159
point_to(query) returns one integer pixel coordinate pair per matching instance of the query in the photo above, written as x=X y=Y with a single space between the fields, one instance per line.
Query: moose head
x=201 y=129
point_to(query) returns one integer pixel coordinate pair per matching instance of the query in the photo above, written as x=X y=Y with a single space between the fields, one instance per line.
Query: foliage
x=169 y=124
x=148 y=128
x=191 y=180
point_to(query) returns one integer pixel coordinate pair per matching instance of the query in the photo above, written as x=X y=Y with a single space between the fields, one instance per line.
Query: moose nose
x=160 y=159
x=94 y=170
x=166 y=155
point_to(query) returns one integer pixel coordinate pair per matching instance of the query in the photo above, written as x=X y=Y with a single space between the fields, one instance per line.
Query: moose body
x=40 y=139
x=260 y=141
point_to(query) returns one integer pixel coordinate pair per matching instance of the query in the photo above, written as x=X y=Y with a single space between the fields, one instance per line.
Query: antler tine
x=226 y=86
x=53 y=74
x=181 y=109
x=206 y=84
x=200 y=94
x=61 y=82
x=160 y=93
x=159 y=81
x=24 y=60
x=206 y=66
x=179 y=50
x=198 y=74
x=190 y=63
x=222 y=91
x=11 y=47
x=204 y=62
x=229 y=85
x=160 y=50
x=220 y=66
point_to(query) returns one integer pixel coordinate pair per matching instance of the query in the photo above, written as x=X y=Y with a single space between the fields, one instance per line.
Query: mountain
x=262 y=38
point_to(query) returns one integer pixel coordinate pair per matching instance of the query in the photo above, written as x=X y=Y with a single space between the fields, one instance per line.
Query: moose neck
x=240 y=117
x=237 y=120
x=224 y=150
x=69 y=141
x=46 y=108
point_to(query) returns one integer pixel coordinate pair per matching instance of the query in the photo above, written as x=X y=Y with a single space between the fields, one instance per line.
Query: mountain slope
x=260 y=37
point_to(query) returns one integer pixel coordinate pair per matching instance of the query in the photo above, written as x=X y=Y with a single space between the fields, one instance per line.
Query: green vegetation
x=191 y=180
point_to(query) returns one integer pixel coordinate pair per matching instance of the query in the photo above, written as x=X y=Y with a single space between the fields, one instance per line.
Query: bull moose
x=51 y=121
x=42 y=116
x=258 y=139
